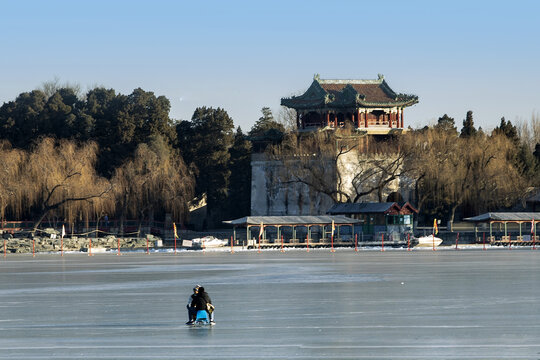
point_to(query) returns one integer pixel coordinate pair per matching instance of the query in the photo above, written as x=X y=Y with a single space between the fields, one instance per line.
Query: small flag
x=333 y=227
x=261 y=230
x=63 y=231
x=435 y=228
x=174 y=227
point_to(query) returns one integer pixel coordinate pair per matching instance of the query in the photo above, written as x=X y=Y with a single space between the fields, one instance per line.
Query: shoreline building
x=367 y=105
x=371 y=110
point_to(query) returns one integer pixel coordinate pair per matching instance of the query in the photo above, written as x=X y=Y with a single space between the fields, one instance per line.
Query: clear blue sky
x=456 y=56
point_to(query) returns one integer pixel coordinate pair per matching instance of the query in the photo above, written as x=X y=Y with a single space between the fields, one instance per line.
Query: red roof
x=349 y=93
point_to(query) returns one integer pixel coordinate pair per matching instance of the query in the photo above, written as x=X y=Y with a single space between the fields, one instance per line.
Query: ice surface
x=294 y=305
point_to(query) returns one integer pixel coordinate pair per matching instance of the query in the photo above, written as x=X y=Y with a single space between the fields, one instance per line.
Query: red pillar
x=402 y=118
x=365 y=119
x=389 y=120
x=335 y=120
x=328 y=118
x=358 y=116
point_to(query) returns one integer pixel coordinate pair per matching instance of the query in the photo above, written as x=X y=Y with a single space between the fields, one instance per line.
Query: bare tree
x=339 y=165
x=50 y=87
x=153 y=178
x=312 y=160
x=11 y=164
x=451 y=171
x=375 y=171
x=58 y=174
x=529 y=131
x=287 y=117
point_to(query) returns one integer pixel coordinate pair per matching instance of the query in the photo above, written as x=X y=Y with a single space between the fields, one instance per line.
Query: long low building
x=527 y=225
x=320 y=229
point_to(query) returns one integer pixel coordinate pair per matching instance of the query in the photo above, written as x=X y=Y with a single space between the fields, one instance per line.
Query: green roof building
x=368 y=105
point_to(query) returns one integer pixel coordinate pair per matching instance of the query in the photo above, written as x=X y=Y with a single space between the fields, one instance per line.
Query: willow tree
x=494 y=181
x=430 y=149
x=452 y=172
x=155 y=178
x=60 y=179
x=11 y=165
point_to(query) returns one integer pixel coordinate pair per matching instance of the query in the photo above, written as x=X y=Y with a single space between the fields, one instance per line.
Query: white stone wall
x=270 y=196
x=354 y=163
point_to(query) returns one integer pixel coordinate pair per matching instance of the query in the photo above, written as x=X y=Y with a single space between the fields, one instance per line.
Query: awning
x=506 y=216
x=293 y=220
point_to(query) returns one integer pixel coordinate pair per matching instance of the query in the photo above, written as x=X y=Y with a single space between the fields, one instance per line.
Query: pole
x=90 y=247
x=332 y=240
x=382 y=242
x=147 y=247
x=484 y=240
x=509 y=243
x=33 y=247
x=282 y=244
x=62 y=245
x=259 y=250
x=355 y=242
x=232 y=245
x=457 y=238
x=408 y=242
x=534 y=236
x=307 y=242
x=174 y=244
x=5 y=248
x=433 y=237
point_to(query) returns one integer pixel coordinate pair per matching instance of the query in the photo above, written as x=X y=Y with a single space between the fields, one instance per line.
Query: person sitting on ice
x=192 y=311
x=202 y=301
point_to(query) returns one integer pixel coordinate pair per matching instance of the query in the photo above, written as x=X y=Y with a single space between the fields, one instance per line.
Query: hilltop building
x=367 y=105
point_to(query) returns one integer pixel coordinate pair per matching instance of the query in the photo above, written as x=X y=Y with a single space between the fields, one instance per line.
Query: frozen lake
x=296 y=305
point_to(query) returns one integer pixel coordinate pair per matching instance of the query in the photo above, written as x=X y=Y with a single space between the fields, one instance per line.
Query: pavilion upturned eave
x=321 y=105
x=350 y=100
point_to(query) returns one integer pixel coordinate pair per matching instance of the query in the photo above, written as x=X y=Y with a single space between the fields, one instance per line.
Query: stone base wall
x=43 y=244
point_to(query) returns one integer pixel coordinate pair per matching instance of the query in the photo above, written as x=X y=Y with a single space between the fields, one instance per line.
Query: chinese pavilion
x=368 y=105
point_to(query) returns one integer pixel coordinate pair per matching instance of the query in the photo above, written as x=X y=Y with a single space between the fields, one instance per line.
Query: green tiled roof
x=349 y=93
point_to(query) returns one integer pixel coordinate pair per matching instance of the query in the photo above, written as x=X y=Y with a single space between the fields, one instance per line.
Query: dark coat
x=205 y=296
x=200 y=302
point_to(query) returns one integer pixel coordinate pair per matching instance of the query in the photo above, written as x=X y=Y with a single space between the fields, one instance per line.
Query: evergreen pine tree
x=508 y=130
x=240 y=181
x=266 y=131
x=209 y=137
x=446 y=124
x=468 y=129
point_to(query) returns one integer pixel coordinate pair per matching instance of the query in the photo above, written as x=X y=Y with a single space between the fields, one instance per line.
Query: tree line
x=449 y=172
x=71 y=157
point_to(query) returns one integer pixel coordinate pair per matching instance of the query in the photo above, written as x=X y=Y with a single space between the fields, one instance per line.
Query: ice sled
x=202 y=318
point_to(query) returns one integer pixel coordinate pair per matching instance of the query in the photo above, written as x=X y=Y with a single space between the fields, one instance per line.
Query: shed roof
x=292 y=220
x=358 y=208
x=505 y=216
